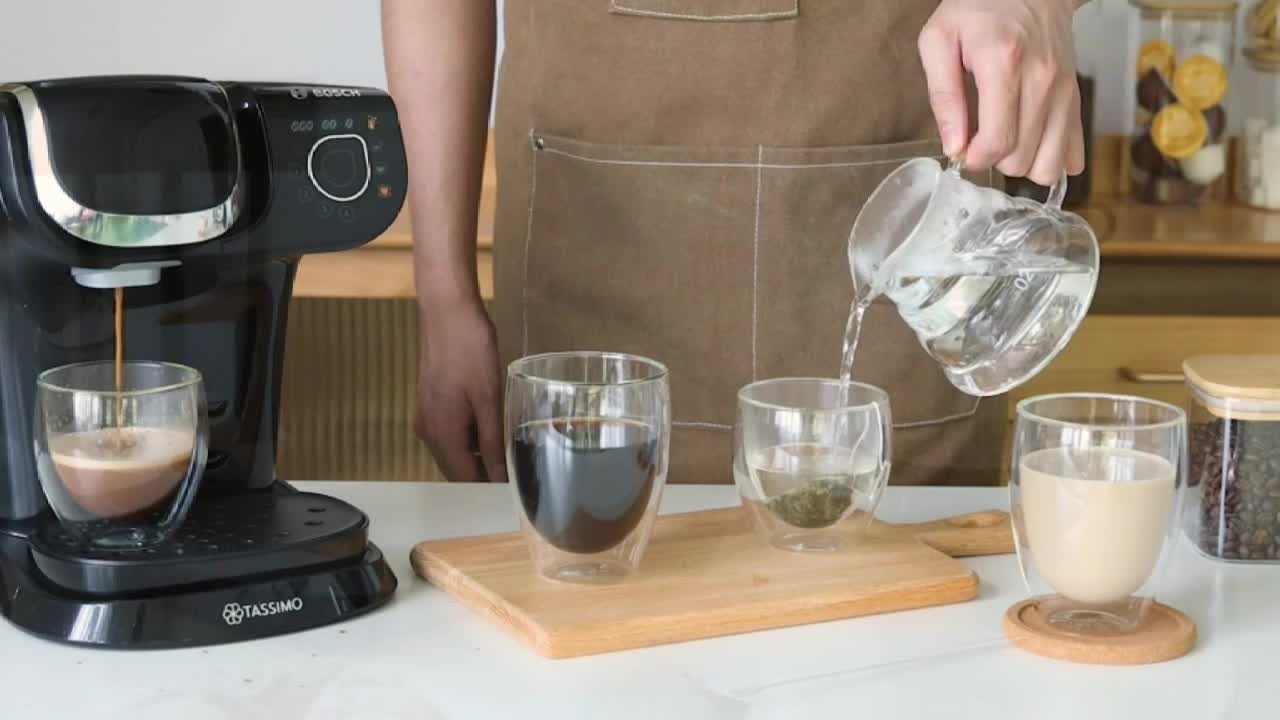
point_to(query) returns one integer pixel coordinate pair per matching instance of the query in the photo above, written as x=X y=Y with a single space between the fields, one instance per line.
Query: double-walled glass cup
x=1096 y=489
x=812 y=459
x=120 y=459
x=588 y=437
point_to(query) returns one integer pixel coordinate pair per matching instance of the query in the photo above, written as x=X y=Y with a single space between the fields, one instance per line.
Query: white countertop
x=427 y=657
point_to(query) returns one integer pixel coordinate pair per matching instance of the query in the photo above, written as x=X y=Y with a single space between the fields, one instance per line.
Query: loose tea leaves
x=818 y=504
x=1236 y=464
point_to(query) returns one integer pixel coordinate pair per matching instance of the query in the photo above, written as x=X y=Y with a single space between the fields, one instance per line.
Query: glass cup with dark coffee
x=588 y=437
x=120 y=451
x=812 y=459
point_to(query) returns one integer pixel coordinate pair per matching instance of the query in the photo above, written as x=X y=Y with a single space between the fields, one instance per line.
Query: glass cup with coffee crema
x=120 y=455
x=811 y=460
x=588 y=436
x=1096 y=488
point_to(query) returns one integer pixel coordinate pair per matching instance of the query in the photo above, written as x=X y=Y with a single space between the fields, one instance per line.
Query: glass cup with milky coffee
x=1095 y=489
x=120 y=455
x=588 y=436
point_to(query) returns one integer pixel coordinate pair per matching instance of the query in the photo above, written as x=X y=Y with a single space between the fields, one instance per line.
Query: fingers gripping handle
x=1057 y=192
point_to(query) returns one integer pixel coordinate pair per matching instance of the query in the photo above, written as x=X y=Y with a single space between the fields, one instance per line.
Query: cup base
x=592 y=572
x=1091 y=622
x=1102 y=620
x=125 y=538
x=809 y=542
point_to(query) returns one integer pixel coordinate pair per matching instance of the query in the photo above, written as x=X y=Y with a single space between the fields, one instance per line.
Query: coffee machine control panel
x=338 y=174
x=338 y=166
x=112 y=171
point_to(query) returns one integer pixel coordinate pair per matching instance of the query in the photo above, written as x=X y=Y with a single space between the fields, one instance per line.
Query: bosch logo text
x=235 y=613
x=303 y=93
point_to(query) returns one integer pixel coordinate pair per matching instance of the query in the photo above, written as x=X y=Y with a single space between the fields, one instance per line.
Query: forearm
x=439 y=57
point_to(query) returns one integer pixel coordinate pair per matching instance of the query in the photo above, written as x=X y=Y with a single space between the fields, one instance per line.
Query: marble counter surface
x=427 y=657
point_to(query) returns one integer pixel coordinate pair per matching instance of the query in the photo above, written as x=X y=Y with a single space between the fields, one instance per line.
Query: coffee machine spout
x=122 y=276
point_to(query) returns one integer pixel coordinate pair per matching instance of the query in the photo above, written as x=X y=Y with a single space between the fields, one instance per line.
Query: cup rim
x=515 y=368
x=878 y=393
x=1178 y=415
x=195 y=378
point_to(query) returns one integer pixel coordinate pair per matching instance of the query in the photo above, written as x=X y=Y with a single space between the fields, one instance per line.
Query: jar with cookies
x=1257 y=161
x=1182 y=66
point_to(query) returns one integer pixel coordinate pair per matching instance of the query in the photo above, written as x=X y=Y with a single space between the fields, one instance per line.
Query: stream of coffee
x=119 y=318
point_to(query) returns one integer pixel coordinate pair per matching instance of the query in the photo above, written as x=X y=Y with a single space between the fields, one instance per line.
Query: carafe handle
x=1057 y=192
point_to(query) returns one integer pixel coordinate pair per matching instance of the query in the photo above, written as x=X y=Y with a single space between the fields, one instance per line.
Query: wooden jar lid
x=1244 y=387
x=1166 y=634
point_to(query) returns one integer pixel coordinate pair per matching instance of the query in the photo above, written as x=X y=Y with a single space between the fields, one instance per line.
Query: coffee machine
x=199 y=197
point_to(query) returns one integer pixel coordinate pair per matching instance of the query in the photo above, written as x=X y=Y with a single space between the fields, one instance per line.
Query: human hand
x=1022 y=60
x=458 y=400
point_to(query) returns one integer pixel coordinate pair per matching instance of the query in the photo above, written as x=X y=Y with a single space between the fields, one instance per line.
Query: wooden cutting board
x=707 y=574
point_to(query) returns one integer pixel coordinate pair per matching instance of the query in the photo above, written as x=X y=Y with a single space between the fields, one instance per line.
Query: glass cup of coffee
x=120 y=455
x=1095 y=491
x=812 y=459
x=588 y=437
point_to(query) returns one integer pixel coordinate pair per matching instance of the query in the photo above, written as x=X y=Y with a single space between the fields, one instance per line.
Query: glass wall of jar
x=1233 y=410
x=1257 y=160
x=1181 y=68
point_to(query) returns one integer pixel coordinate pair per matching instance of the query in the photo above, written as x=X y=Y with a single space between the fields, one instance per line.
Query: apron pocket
x=709 y=10
x=731 y=265
x=646 y=250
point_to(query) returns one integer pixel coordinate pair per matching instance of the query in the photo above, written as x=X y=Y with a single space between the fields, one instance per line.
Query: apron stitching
x=755 y=265
x=795 y=9
x=528 y=235
x=744 y=165
x=694 y=424
x=939 y=421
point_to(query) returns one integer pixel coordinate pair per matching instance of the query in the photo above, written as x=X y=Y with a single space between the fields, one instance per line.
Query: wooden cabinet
x=1142 y=355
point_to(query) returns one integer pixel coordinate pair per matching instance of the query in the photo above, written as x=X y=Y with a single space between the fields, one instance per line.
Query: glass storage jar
x=1181 y=65
x=1262 y=26
x=1257 y=161
x=1233 y=410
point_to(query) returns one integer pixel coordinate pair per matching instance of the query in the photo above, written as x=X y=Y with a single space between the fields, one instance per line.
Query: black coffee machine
x=198 y=197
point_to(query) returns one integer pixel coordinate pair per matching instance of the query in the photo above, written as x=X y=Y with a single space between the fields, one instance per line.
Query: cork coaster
x=1167 y=634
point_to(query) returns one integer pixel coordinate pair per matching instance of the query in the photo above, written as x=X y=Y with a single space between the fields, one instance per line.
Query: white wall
x=330 y=41
x=305 y=40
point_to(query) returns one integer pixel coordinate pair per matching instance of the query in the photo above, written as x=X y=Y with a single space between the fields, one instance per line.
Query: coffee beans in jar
x=1234 y=456
x=1235 y=465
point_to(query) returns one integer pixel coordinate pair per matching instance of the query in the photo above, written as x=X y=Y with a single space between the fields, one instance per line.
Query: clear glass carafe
x=994 y=286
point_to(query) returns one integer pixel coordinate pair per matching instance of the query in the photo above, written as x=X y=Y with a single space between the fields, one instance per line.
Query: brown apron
x=678 y=178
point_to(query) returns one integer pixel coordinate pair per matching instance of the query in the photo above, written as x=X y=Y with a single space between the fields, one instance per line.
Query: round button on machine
x=338 y=166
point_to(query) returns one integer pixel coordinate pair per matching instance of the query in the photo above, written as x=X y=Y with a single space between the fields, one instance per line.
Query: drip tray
x=223 y=538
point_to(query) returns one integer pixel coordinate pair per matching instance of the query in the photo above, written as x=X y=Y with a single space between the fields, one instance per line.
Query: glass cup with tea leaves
x=120 y=456
x=812 y=459
x=588 y=435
